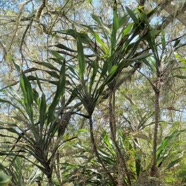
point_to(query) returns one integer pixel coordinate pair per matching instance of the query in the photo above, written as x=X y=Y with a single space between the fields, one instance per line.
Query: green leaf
x=40 y=79
x=131 y=49
x=83 y=36
x=90 y=1
x=6 y=101
x=74 y=74
x=128 y=28
x=38 y=83
x=59 y=93
x=48 y=65
x=57 y=55
x=70 y=32
x=36 y=96
x=181 y=59
x=138 y=164
x=16 y=66
x=107 y=140
x=26 y=89
x=4 y=179
x=104 y=69
x=180 y=77
x=98 y=39
x=11 y=130
x=177 y=41
x=52 y=73
x=28 y=95
x=143 y=17
x=61 y=46
x=165 y=142
x=42 y=111
x=93 y=76
x=106 y=31
x=163 y=39
x=114 y=28
x=123 y=20
x=181 y=68
x=113 y=70
x=82 y=130
x=81 y=58
x=132 y=15
x=154 y=33
x=97 y=19
x=171 y=164
x=140 y=57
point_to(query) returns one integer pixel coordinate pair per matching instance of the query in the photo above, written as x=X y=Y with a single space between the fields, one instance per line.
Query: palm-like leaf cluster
x=82 y=78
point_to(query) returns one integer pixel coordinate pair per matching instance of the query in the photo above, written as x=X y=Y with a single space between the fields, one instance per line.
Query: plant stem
x=112 y=115
x=57 y=168
x=50 y=183
x=96 y=151
x=157 y=115
x=120 y=157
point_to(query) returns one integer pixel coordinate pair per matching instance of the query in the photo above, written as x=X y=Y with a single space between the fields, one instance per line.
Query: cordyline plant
x=35 y=123
x=38 y=120
x=102 y=53
x=89 y=73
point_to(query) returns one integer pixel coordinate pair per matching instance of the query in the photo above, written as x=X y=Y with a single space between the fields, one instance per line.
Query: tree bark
x=156 y=88
x=157 y=116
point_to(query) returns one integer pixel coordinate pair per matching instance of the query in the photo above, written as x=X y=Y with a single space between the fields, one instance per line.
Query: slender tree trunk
x=155 y=139
x=120 y=170
x=113 y=135
x=157 y=119
x=50 y=183
x=121 y=163
x=112 y=115
x=96 y=151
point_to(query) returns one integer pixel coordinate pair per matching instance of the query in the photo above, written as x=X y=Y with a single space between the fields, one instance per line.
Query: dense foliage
x=92 y=94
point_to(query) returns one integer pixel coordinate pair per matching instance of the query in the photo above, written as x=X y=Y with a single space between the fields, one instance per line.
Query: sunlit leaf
x=128 y=29
x=4 y=179
x=113 y=70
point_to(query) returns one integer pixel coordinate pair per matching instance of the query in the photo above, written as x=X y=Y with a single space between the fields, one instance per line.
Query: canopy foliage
x=92 y=93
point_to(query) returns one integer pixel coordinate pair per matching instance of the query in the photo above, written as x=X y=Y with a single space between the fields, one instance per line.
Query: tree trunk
x=157 y=116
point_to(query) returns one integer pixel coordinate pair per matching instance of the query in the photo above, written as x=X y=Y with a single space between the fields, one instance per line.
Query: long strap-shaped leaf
x=59 y=93
x=81 y=58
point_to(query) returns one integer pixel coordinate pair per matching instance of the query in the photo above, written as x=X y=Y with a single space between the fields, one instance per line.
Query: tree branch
x=40 y=9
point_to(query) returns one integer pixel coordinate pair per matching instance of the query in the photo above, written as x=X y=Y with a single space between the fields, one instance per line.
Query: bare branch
x=170 y=8
x=40 y=9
